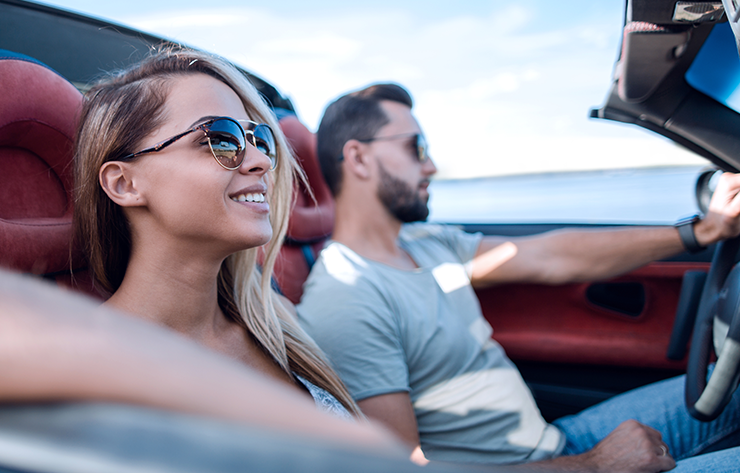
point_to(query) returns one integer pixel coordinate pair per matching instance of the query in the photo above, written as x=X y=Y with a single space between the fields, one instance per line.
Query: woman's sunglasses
x=227 y=139
x=420 y=143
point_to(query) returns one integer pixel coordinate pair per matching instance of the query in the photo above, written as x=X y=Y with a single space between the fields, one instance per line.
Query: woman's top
x=325 y=401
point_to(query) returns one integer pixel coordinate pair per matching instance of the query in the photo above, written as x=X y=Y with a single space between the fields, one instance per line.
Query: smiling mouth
x=252 y=197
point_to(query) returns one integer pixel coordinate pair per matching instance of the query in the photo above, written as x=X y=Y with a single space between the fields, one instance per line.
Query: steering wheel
x=717 y=323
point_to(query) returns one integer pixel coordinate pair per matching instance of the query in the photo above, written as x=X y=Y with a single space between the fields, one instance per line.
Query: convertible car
x=575 y=345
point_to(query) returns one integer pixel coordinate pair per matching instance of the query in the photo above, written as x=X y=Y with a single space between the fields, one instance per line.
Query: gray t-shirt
x=388 y=330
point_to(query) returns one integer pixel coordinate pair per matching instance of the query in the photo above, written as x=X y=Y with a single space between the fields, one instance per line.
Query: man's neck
x=371 y=233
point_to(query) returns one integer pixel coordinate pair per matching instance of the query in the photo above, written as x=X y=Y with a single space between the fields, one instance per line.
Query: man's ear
x=116 y=181
x=356 y=158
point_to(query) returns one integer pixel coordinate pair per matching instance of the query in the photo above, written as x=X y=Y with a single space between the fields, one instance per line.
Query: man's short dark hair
x=356 y=115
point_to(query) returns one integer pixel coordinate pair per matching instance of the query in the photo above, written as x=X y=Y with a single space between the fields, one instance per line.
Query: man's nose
x=428 y=167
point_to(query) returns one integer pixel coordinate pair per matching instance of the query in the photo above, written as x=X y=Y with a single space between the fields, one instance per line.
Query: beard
x=400 y=199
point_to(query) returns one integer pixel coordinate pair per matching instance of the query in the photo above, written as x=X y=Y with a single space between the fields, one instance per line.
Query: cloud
x=496 y=93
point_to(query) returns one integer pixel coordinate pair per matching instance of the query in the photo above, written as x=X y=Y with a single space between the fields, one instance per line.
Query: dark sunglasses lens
x=421 y=148
x=264 y=141
x=226 y=139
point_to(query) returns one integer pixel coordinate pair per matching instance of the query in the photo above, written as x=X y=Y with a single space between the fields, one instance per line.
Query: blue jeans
x=661 y=406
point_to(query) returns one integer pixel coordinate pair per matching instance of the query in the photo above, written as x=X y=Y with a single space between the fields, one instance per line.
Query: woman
x=182 y=176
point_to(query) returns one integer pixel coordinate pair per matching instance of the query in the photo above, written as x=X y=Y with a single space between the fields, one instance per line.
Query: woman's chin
x=257 y=239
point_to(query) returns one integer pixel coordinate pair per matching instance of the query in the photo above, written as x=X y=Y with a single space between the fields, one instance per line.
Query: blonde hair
x=122 y=109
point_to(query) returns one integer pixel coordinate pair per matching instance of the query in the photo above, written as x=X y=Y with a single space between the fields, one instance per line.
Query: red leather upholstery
x=38 y=119
x=311 y=221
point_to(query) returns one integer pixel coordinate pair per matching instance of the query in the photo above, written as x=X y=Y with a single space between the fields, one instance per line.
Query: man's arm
x=395 y=411
x=631 y=447
x=564 y=256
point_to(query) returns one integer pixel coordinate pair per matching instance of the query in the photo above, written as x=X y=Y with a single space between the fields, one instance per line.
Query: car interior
x=575 y=345
x=36 y=148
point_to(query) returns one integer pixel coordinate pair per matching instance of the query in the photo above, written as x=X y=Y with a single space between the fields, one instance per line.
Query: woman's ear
x=117 y=182
x=355 y=155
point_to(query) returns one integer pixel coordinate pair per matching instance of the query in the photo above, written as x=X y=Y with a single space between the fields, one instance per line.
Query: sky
x=500 y=87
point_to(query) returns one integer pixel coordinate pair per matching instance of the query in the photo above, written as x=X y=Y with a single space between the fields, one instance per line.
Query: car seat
x=38 y=120
x=311 y=218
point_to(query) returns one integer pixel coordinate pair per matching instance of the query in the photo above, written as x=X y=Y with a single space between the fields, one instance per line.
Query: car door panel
x=560 y=323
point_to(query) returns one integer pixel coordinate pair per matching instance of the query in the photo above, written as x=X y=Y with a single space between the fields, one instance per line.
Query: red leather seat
x=38 y=119
x=311 y=220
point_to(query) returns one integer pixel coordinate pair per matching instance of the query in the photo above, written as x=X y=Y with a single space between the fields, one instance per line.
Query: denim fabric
x=661 y=406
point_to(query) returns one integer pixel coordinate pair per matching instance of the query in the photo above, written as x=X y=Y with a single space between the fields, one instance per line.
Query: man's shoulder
x=420 y=231
x=342 y=290
x=339 y=274
x=339 y=265
x=433 y=236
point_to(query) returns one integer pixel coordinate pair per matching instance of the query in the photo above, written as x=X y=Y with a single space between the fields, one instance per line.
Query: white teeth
x=249 y=198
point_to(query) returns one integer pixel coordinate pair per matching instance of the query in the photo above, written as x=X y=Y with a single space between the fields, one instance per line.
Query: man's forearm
x=581 y=255
x=564 y=256
x=631 y=447
x=577 y=256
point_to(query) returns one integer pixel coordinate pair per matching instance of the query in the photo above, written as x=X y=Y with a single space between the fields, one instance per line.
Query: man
x=392 y=304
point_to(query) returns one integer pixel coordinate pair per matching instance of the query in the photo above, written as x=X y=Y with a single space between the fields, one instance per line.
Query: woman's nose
x=255 y=161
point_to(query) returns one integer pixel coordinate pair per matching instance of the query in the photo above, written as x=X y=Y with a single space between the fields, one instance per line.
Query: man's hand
x=631 y=447
x=723 y=217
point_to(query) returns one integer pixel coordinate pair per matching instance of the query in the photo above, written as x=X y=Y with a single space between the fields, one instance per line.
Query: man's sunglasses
x=227 y=139
x=420 y=143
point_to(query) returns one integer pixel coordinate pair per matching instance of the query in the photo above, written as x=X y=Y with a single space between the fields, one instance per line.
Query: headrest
x=310 y=220
x=39 y=110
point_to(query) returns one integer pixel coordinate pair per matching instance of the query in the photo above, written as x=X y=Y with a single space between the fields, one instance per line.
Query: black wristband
x=685 y=229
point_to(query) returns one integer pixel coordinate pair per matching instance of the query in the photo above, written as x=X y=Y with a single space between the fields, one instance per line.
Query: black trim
x=82 y=48
x=685 y=229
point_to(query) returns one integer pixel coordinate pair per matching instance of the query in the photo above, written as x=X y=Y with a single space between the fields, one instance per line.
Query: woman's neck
x=176 y=286
x=180 y=293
